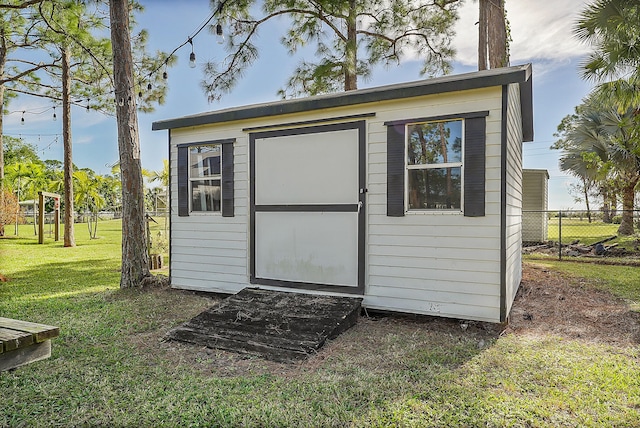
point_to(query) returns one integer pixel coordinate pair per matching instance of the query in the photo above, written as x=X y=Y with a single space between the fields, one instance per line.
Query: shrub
x=616 y=219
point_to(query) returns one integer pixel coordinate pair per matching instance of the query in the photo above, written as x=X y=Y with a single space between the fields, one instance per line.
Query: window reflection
x=434 y=165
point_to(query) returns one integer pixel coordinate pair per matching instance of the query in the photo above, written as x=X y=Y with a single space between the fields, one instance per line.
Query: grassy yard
x=110 y=366
x=580 y=229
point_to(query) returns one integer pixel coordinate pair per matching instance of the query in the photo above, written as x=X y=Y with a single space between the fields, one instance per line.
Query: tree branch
x=87 y=50
x=322 y=17
x=25 y=72
x=22 y=5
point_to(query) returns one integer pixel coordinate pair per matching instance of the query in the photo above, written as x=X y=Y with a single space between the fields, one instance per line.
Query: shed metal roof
x=481 y=79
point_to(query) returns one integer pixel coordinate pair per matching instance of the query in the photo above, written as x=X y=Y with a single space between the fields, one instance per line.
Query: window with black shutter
x=205 y=177
x=436 y=164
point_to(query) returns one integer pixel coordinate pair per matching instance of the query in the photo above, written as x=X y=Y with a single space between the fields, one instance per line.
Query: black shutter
x=227 y=180
x=474 y=167
x=183 y=181
x=395 y=170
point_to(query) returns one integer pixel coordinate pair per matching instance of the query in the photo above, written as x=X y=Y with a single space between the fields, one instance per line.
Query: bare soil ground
x=551 y=303
x=547 y=303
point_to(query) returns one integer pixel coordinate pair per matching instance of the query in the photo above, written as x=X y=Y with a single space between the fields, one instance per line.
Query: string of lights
x=147 y=78
x=189 y=41
x=55 y=141
x=40 y=111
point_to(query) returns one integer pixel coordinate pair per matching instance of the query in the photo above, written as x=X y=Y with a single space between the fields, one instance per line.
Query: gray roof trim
x=451 y=83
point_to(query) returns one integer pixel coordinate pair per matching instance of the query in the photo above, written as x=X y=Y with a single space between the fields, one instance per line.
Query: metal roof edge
x=479 y=79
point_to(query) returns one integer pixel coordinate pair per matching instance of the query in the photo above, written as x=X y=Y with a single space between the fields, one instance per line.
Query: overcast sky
x=541 y=33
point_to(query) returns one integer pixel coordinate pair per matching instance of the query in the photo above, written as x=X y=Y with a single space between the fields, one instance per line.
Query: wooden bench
x=23 y=342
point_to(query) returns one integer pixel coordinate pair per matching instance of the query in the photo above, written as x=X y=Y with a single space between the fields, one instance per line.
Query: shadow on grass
x=59 y=280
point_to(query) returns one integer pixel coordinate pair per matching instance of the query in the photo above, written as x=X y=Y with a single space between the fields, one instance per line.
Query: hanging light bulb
x=22 y=119
x=88 y=101
x=165 y=75
x=139 y=94
x=54 y=114
x=192 y=57
x=149 y=87
x=219 y=34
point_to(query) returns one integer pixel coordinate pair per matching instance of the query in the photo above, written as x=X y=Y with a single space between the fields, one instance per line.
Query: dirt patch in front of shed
x=548 y=303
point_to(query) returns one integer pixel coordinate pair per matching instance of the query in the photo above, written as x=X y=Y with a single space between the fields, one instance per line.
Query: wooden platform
x=275 y=325
x=23 y=342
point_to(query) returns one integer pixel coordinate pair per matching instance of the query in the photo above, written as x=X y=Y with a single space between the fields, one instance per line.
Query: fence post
x=560 y=235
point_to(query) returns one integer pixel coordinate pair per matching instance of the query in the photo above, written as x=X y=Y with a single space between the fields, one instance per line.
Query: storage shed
x=409 y=195
x=535 y=195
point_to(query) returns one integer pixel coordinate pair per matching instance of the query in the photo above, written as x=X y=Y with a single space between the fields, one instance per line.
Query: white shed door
x=307 y=207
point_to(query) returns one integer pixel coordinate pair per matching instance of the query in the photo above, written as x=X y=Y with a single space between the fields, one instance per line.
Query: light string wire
x=188 y=41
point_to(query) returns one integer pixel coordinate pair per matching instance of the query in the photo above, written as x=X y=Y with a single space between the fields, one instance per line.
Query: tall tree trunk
x=69 y=233
x=3 y=61
x=2 y=204
x=135 y=260
x=492 y=35
x=585 y=189
x=1 y=133
x=482 y=34
x=606 y=212
x=497 y=34
x=351 y=63
x=628 y=195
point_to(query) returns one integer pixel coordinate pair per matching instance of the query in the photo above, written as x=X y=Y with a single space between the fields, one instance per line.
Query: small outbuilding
x=535 y=196
x=408 y=195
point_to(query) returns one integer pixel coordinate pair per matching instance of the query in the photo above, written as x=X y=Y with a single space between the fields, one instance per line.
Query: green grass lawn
x=580 y=229
x=110 y=366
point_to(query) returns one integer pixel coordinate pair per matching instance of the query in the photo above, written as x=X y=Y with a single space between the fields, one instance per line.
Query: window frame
x=226 y=177
x=204 y=178
x=474 y=164
x=426 y=166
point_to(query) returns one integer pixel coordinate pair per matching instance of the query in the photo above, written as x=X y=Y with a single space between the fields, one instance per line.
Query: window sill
x=434 y=212
x=205 y=213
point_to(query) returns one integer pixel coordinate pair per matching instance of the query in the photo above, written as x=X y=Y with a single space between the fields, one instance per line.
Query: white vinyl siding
x=431 y=262
x=513 y=238
x=209 y=252
x=434 y=262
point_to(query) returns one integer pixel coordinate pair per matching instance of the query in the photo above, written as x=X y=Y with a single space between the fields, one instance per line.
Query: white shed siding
x=210 y=252
x=513 y=232
x=436 y=263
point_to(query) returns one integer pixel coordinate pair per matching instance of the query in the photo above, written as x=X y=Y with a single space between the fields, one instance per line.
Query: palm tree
x=586 y=166
x=87 y=196
x=163 y=177
x=37 y=181
x=611 y=27
x=613 y=137
x=623 y=151
x=18 y=175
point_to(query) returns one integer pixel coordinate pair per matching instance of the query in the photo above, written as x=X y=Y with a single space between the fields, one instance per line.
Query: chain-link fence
x=575 y=233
